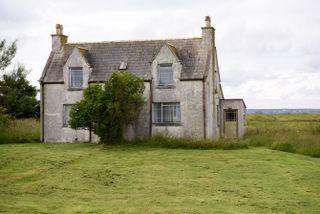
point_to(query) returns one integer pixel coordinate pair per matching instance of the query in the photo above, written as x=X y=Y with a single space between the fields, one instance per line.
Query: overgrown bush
x=109 y=109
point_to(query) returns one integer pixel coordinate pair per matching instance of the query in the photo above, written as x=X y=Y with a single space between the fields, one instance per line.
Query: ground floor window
x=66 y=111
x=166 y=113
x=231 y=115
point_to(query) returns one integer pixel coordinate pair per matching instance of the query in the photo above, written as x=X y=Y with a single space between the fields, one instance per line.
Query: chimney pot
x=207 y=21
x=59 y=29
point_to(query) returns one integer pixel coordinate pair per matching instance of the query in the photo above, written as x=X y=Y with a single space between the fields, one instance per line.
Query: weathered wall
x=141 y=128
x=188 y=93
x=55 y=96
x=234 y=104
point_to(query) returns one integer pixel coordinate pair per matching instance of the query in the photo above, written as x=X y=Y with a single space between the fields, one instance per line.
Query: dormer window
x=165 y=74
x=75 y=77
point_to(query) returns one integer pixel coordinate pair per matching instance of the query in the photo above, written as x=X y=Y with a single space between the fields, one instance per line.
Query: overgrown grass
x=20 y=131
x=297 y=133
x=189 y=143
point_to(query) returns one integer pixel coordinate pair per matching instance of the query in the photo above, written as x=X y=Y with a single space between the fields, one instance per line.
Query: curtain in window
x=166 y=112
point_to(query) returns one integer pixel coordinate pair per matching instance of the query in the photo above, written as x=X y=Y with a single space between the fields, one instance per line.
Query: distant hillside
x=279 y=111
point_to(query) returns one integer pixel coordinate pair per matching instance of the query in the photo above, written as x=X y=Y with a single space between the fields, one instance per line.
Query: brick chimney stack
x=208 y=33
x=58 y=39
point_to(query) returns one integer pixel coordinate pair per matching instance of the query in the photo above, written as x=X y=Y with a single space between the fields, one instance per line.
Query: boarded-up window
x=166 y=113
x=66 y=112
x=231 y=115
x=75 y=77
x=165 y=74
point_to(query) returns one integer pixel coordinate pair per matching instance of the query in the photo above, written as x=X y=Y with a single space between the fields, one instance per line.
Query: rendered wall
x=188 y=93
x=234 y=104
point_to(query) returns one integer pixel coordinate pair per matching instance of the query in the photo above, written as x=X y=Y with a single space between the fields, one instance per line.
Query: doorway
x=231 y=123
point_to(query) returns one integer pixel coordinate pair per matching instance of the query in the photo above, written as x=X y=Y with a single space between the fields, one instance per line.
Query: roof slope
x=105 y=57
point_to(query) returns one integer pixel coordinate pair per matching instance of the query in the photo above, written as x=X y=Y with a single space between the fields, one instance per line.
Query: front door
x=231 y=123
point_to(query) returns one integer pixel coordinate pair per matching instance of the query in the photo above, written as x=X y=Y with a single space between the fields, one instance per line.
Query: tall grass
x=189 y=143
x=297 y=133
x=20 y=131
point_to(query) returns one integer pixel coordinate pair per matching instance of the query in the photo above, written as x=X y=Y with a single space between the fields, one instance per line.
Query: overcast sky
x=268 y=51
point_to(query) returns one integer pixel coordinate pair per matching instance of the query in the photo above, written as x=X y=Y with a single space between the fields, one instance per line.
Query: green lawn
x=84 y=178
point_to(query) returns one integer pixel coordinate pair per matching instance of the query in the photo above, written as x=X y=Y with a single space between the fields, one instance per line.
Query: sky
x=268 y=50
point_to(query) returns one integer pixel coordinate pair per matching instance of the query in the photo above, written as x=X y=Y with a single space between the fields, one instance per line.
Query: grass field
x=160 y=175
x=84 y=178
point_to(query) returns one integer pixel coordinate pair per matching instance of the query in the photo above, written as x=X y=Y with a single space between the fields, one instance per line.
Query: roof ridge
x=120 y=41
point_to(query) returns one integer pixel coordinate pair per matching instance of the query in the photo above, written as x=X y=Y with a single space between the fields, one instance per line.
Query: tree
x=84 y=113
x=17 y=95
x=4 y=117
x=7 y=53
x=109 y=109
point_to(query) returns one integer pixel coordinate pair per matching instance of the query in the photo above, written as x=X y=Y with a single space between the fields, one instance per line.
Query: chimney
x=58 y=39
x=208 y=33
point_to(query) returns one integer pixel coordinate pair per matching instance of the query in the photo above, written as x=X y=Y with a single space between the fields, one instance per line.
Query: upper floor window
x=165 y=74
x=75 y=77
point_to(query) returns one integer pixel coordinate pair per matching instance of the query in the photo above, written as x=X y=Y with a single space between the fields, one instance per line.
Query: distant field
x=297 y=133
x=84 y=178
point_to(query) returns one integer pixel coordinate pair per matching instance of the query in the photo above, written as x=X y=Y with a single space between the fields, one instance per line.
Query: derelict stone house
x=183 y=93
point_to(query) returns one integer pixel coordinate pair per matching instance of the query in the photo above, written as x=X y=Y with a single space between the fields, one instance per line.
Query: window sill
x=167 y=124
x=166 y=86
x=75 y=89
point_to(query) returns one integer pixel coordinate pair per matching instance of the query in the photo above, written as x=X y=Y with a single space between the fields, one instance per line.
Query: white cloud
x=268 y=50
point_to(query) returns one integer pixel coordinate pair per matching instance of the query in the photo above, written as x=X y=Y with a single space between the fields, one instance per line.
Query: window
x=166 y=113
x=76 y=77
x=66 y=111
x=231 y=115
x=165 y=74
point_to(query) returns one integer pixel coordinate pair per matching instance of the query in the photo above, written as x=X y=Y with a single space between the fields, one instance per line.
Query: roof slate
x=105 y=57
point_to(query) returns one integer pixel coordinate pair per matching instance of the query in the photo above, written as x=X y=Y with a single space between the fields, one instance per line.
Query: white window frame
x=65 y=114
x=172 y=116
x=71 y=82
x=166 y=68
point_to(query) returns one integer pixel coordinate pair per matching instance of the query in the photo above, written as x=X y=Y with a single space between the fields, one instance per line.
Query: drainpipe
x=151 y=100
x=204 y=109
x=41 y=112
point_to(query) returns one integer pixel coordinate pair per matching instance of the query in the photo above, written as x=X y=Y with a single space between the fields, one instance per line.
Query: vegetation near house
x=17 y=96
x=7 y=53
x=109 y=109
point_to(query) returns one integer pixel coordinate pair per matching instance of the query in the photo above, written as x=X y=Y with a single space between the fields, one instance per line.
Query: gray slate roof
x=105 y=57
